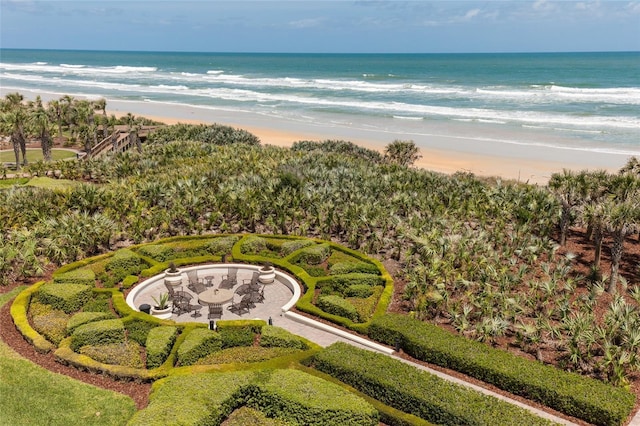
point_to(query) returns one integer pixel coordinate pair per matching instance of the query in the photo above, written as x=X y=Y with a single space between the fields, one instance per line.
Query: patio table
x=215 y=296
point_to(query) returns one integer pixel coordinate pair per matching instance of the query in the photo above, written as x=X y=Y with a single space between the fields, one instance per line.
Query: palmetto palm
x=569 y=188
x=40 y=122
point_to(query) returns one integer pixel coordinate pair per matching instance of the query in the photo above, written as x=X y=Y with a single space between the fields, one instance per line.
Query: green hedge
x=138 y=329
x=313 y=255
x=159 y=342
x=83 y=276
x=222 y=245
x=199 y=342
x=19 y=316
x=415 y=391
x=340 y=284
x=569 y=393
x=239 y=332
x=289 y=247
x=336 y=305
x=359 y=290
x=272 y=336
x=49 y=322
x=98 y=333
x=123 y=259
x=84 y=318
x=290 y=395
x=65 y=297
x=125 y=354
x=342 y=268
x=159 y=252
x=253 y=244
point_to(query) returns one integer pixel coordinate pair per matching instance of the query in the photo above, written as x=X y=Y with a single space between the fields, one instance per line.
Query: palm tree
x=39 y=120
x=403 y=153
x=13 y=121
x=569 y=188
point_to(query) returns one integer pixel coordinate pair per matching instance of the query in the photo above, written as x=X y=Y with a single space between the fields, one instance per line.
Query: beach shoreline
x=484 y=150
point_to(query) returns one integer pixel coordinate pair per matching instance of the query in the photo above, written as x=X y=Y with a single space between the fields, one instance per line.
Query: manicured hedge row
x=341 y=268
x=415 y=391
x=65 y=297
x=160 y=340
x=98 y=333
x=290 y=395
x=19 y=315
x=123 y=259
x=83 y=276
x=159 y=252
x=289 y=247
x=272 y=336
x=199 y=342
x=569 y=393
x=313 y=255
x=336 y=305
x=84 y=318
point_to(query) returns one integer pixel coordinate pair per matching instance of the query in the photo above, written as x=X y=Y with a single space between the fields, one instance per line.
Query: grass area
x=34 y=154
x=53 y=184
x=5 y=183
x=32 y=395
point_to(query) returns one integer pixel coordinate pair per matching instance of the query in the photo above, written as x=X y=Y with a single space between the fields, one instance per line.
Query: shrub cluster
x=365 y=306
x=49 y=322
x=339 y=147
x=341 y=268
x=340 y=284
x=569 y=393
x=222 y=245
x=199 y=342
x=65 y=297
x=359 y=290
x=273 y=336
x=123 y=259
x=98 y=303
x=122 y=353
x=84 y=318
x=97 y=333
x=415 y=391
x=215 y=134
x=289 y=247
x=337 y=305
x=138 y=330
x=313 y=255
x=159 y=342
x=253 y=244
x=159 y=252
x=83 y=276
x=239 y=333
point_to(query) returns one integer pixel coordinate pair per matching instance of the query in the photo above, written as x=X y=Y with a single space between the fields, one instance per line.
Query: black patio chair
x=215 y=311
x=229 y=280
x=240 y=307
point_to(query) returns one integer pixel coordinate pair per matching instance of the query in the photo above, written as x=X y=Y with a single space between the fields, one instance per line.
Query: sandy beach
x=445 y=153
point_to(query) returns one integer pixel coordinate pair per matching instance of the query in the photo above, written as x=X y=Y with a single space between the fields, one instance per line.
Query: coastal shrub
x=123 y=353
x=222 y=245
x=415 y=391
x=84 y=318
x=218 y=134
x=159 y=342
x=272 y=336
x=138 y=330
x=341 y=268
x=359 y=290
x=313 y=255
x=83 y=276
x=339 y=147
x=65 y=297
x=567 y=392
x=289 y=247
x=253 y=245
x=49 y=322
x=97 y=333
x=199 y=342
x=336 y=305
x=159 y=252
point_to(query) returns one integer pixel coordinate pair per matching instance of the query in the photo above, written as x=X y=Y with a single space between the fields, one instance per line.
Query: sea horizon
x=581 y=102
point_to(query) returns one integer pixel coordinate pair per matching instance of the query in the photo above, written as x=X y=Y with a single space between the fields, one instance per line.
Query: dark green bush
x=244 y=416
x=336 y=305
x=84 y=318
x=49 y=322
x=245 y=354
x=236 y=336
x=98 y=303
x=569 y=393
x=222 y=245
x=339 y=284
x=97 y=333
x=339 y=147
x=273 y=336
x=159 y=342
x=138 y=330
x=365 y=306
x=65 y=297
x=122 y=353
x=124 y=259
x=415 y=391
x=199 y=342
x=83 y=276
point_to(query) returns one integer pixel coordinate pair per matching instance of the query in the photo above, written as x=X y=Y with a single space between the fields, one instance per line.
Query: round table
x=215 y=296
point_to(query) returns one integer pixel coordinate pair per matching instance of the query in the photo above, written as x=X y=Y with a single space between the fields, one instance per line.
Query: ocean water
x=582 y=101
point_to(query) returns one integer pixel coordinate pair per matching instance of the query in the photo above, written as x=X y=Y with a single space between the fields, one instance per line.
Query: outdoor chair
x=197 y=286
x=215 y=311
x=240 y=307
x=170 y=290
x=229 y=280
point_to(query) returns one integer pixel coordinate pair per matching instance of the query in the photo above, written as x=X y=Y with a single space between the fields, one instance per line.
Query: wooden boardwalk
x=120 y=140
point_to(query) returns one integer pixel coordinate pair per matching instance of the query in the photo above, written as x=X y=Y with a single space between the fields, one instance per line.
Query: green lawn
x=32 y=395
x=7 y=156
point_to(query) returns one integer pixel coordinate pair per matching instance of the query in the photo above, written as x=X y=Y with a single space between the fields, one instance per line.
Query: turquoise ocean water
x=588 y=100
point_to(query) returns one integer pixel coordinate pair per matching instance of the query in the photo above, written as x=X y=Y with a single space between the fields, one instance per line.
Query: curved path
x=280 y=297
